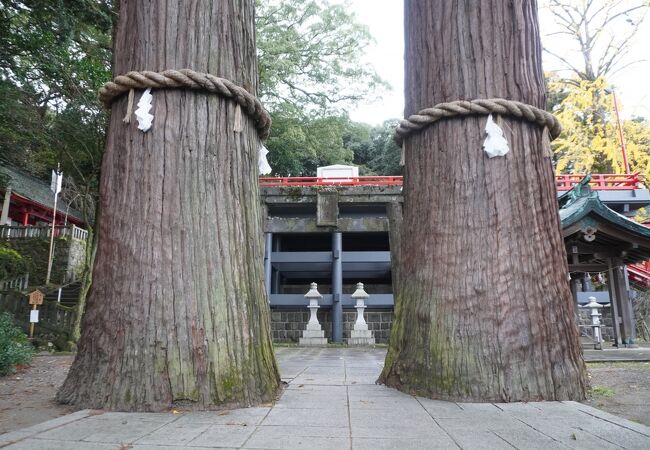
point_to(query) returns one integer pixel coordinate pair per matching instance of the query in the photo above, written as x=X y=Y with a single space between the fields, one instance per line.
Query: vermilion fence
x=601 y=182
x=640 y=273
x=343 y=181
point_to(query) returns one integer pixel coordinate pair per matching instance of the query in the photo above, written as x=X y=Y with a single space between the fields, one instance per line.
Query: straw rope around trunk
x=189 y=79
x=417 y=122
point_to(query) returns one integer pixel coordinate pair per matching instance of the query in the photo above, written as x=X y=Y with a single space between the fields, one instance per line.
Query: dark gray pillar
x=268 y=240
x=624 y=304
x=394 y=213
x=613 y=301
x=337 y=287
x=275 y=274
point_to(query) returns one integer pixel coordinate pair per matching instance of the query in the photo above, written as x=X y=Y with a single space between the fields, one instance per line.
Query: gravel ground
x=622 y=389
x=27 y=398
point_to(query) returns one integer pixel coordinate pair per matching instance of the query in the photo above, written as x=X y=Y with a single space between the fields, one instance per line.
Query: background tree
x=596 y=38
x=310 y=56
x=590 y=140
x=599 y=31
x=54 y=56
x=177 y=311
x=483 y=309
x=311 y=66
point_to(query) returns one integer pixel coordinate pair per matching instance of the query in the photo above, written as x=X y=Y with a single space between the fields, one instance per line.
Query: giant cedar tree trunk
x=177 y=312
x=483 y=311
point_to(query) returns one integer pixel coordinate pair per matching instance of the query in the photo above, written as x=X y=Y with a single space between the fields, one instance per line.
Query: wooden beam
x=587 y=267
x=582 y=248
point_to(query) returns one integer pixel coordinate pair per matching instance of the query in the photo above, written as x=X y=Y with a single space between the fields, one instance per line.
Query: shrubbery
x=14 y=346
x=11 y=263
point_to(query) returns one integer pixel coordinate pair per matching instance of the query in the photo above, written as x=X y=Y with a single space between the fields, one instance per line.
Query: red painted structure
x=28 y=212
x=602 y=181
x=599 y=182
x=340 y=181
x=640 y=273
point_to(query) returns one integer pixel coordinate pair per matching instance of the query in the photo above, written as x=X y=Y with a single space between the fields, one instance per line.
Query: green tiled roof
x=34 y=189
x=582 y=201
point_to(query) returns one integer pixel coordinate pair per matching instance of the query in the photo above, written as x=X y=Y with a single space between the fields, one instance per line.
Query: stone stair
x=69 y=294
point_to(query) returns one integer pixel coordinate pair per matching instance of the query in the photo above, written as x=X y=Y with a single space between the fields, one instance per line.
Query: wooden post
x=624 y=304
x=35 y=299
x=31 y=324
x=613 y=300
x=4 y=216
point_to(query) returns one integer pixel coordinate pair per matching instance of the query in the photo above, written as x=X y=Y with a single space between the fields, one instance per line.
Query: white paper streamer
x=262 y=163
x=142 y=113
x=495 y=143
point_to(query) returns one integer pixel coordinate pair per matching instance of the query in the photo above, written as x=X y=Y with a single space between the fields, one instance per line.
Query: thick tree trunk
x=484 y=311
x=177 y=312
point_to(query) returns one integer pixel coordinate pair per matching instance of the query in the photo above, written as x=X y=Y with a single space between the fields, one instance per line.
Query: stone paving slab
x=615 y=354
x=331 y=402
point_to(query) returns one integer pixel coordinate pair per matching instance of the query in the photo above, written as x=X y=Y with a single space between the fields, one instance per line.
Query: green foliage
x=34 y=253
x=11 y=263
x=298 y=146
x=379 y=154
x=14 y=347
x=310 y=56
x=54 y=55
x=310 y=59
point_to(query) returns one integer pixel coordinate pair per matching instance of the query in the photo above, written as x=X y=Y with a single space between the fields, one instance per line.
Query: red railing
x=640 y=273
x=340 y=181
x=599 y=182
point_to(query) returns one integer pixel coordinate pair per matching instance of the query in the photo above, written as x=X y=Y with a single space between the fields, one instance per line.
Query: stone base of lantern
x=313 y=338
x=361 y=337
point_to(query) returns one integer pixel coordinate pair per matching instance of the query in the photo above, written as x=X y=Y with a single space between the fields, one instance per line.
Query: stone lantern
x=360 y=335
x=313 y=335
x=595 y=320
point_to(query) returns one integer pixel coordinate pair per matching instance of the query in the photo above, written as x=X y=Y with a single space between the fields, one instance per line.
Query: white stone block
x=313 y=341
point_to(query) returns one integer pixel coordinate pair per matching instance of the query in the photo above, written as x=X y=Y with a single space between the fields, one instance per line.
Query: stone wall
x=76 y=260
x=287 y=324
x=35 y=252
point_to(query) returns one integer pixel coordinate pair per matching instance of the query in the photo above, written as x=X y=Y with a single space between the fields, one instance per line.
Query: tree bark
x=177 y=313
x=483 y=311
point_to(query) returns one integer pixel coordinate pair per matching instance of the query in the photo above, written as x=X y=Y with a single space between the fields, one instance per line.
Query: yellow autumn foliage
x=590 y=141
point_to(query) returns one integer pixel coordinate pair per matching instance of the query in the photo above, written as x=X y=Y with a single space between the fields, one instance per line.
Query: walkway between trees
x=331 y=401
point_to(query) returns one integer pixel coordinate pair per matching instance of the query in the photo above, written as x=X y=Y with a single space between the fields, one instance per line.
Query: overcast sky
x=384 y=18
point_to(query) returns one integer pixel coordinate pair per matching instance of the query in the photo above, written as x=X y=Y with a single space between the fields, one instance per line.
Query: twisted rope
x=186 y=78
x=417 y=122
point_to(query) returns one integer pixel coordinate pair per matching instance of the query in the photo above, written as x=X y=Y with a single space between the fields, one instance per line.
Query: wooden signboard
x=36 y=298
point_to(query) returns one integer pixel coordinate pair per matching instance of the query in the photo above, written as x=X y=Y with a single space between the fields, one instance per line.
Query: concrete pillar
x=4 y=216
x=337 y=287
x=268 y=268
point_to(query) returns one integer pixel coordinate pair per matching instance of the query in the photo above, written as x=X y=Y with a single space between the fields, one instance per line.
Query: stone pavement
x=620 y=355
x=331 y=401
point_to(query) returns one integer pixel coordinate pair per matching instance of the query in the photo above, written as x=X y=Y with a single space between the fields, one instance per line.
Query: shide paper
x=142 y=113
x=262 y=162
x=495 y=143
